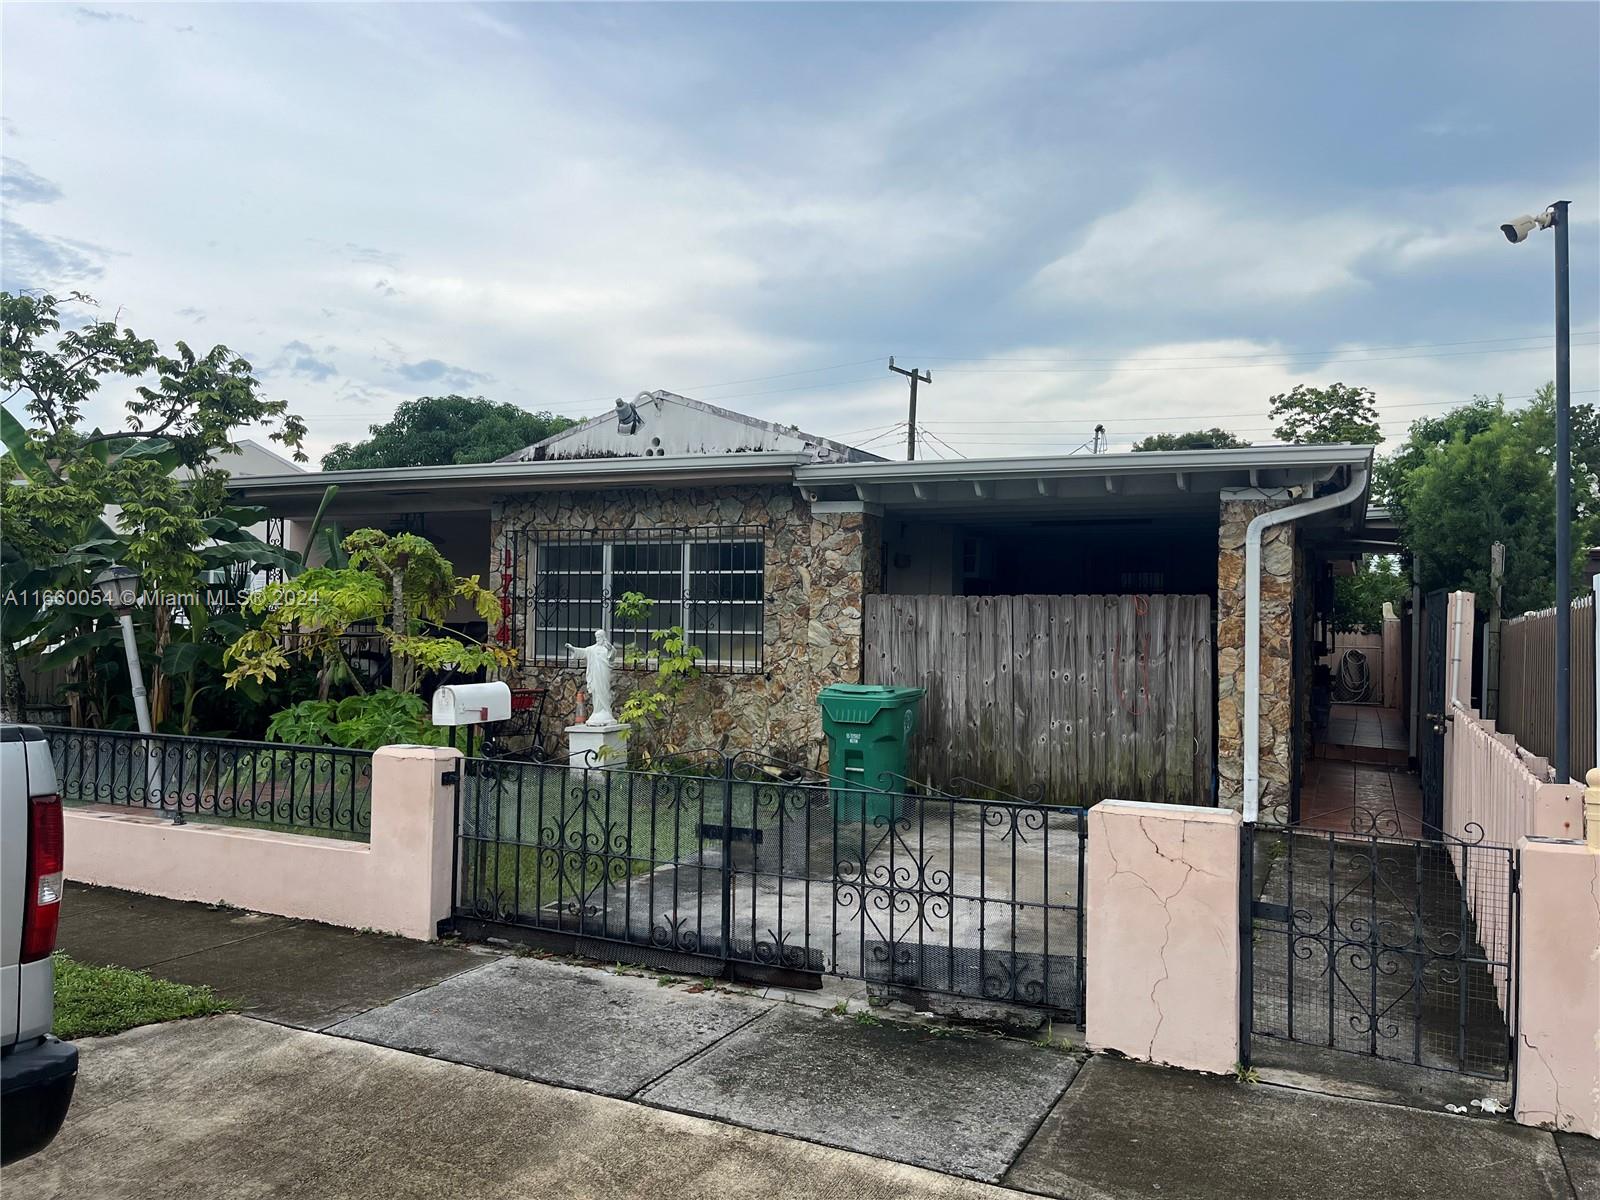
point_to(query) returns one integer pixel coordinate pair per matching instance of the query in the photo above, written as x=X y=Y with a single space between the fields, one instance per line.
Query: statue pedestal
x=598 y=745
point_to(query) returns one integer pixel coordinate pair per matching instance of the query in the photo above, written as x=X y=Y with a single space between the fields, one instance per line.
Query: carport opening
x=1137 y=555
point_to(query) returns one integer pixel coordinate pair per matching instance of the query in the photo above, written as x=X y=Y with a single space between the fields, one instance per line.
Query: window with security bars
x=708 y=581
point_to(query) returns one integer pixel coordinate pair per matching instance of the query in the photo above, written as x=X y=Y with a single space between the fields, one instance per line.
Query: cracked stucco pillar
x=1279 y=578
x=1558 y=987
x=1162 y=934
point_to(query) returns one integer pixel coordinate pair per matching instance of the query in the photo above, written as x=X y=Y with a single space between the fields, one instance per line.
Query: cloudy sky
x=1144 y=215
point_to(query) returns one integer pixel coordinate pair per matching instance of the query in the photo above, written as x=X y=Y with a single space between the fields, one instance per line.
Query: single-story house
x=1080 y=620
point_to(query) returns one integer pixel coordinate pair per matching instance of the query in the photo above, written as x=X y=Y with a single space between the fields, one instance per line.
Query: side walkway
x=691 y=1090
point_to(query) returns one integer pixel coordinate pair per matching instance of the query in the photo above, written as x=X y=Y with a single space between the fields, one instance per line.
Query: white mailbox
x=471 y=703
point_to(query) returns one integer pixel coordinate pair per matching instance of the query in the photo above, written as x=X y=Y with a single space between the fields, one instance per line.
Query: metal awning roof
x=1099 y=484
x=1151 y=482
x=475 y=485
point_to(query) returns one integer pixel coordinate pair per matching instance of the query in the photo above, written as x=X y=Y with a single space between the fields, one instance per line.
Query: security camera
x=1518 y=229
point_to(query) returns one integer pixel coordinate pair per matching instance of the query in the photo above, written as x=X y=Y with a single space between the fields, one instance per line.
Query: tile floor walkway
x=1354 y=797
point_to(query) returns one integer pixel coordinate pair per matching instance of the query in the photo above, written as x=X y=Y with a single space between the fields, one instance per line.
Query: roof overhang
x=1163 y=481
x=476 y=485
x=1377 y=533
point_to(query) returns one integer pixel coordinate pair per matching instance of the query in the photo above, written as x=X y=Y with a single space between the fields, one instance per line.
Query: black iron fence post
x=1082 y=997
x=727 y=857
x=456 y=847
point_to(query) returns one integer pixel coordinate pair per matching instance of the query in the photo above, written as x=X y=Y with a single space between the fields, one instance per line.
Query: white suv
x=37 y=1071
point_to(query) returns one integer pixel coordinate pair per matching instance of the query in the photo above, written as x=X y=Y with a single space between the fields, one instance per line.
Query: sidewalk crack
x=638 y=1092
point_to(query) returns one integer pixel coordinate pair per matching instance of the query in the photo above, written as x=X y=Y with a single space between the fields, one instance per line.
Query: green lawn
x=98 y=1001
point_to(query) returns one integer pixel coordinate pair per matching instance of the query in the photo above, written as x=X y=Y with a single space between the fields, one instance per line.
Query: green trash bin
x=868 y=728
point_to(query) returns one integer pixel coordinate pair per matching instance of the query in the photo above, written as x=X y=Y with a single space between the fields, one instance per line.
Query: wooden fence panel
x=1528 y=684
x=1072 y=698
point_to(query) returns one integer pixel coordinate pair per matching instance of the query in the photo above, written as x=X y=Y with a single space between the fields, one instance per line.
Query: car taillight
x=46 y=865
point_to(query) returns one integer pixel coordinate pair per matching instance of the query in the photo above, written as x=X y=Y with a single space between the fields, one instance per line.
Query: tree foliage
x=362 y=722
x=147 y=494
x=400 y=582
x=1195 y=439
x=1358 y=599
x=1336 y=413
x=1485 y=473
x=438 y=430
x=651 y=706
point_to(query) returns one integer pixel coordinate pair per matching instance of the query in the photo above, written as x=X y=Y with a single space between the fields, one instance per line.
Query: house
x=1107 y=597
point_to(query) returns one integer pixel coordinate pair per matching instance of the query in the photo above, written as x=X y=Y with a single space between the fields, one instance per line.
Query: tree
x=1392 y=474
x=400 y=581
x=1196 y=439
x=1336 y=413
x=438 y=430
x=1483 y=474
x=1358 y=599
x=677 y=665
x=148 y=495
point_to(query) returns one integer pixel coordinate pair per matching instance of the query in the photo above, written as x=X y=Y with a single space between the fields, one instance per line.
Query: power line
x=888 y=433
x=1100 y=402
x=940 y=441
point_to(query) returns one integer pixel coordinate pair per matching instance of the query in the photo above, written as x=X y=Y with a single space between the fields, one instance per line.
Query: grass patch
x=99 y=1001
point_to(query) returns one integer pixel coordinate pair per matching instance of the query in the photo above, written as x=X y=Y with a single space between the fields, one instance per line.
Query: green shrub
x=364 y=722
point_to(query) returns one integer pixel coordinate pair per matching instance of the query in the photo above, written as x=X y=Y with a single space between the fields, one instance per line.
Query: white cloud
x=1211 y=249
x=1216 y=251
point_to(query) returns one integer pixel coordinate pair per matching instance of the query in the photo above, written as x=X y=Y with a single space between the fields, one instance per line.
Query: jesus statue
x=597 y=660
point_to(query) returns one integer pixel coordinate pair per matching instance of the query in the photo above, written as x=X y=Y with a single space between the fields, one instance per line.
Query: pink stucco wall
x=1558 y=987
x=1162 y=952
x=399 y=882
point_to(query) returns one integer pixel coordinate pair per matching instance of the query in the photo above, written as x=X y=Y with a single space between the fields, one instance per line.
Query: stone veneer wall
x=1279 y=576
x=818 y=569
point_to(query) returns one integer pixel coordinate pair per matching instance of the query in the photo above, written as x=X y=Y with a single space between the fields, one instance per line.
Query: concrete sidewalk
x=690 y=1089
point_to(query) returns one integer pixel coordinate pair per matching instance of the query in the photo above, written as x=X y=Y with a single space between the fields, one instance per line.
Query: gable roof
x=664 y=424
x=249 y=457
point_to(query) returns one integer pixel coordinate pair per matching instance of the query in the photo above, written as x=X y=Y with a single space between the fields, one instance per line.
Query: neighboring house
x=1097 y=642
x=246 y=460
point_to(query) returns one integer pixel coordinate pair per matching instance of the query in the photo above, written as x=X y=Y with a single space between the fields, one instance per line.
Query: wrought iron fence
x=1390 y=947
x=324 y=790
x=763 y=865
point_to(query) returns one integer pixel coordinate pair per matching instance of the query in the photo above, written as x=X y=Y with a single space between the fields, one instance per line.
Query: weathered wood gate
x=1069 y=698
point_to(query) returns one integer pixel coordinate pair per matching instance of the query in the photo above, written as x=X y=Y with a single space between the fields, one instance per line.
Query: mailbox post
x=457 y=705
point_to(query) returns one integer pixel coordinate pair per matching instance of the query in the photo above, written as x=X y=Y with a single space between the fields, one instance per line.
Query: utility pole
x=1558 y=210
x=1516 y=231
x=916 y=377
x=1099 y=446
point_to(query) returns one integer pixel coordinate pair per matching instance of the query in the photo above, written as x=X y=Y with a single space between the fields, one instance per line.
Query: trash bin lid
x=860 y=703
x=872 y=691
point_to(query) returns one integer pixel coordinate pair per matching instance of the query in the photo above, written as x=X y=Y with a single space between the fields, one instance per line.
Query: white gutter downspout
x=1252 y=623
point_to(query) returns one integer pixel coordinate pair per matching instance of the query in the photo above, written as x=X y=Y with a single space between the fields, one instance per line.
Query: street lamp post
x=1555 y=217
x=119 y=586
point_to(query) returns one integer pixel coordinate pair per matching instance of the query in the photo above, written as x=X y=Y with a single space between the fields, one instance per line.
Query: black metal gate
x=1430 y=737
x=760 y=870
x=1390 y=947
